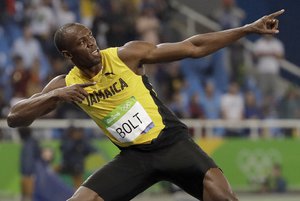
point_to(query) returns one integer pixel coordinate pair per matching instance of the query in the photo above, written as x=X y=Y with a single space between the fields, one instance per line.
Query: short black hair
x=59 y=36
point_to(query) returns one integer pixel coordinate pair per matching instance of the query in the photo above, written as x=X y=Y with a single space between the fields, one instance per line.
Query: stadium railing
x=200 y=128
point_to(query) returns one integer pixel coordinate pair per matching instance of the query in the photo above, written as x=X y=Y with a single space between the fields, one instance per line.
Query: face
x=81 y=47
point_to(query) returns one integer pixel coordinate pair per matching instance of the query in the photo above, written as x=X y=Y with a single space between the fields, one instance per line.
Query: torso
x=122 y=103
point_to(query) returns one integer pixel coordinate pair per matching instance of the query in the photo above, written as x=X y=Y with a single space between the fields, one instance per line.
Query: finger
x=271 y=31
x=276 y=14
x=87 y=84
x=81 y=96
x=83 y=92
x=78 y=99
x=272 y=24
x=276 y=24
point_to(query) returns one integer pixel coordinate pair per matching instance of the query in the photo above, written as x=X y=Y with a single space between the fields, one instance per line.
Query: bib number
x=127 y=121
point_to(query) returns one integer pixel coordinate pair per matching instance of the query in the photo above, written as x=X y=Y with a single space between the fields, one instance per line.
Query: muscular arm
x=194 y=47
x=136 y=53
x=27 y=110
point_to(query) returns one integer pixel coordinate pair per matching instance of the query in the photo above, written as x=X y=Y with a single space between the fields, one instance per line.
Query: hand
x=267 y=24
x=73 y=93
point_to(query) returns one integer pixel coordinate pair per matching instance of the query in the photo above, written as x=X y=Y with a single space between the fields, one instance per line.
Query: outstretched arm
x=27 y=110
x=195 y=46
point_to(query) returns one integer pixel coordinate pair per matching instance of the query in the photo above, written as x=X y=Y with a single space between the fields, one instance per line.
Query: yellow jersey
x=122 y=103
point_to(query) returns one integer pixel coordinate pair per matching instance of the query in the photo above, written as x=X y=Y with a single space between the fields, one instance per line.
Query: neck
x=91 y=72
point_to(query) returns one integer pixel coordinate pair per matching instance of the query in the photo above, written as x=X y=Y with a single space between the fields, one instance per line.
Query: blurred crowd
x=219 y=86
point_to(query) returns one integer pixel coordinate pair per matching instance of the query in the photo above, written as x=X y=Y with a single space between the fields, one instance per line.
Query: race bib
x=128 y=120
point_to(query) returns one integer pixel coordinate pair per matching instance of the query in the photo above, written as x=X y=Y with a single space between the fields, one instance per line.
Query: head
x=27 y=33
x=250 y=98
x=228 y=3
x=47 y=154
x=276 y=170
x=75 y=133
x=76 y=42
x=234 y=88
x=18 y=62
x=209 y=88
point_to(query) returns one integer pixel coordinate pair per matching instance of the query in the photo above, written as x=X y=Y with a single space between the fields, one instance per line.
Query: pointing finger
x=276 y=14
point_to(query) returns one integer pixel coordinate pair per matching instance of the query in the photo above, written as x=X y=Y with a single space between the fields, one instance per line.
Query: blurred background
x=242 y=103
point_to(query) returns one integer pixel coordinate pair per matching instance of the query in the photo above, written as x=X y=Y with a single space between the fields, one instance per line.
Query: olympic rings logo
x=256 y=164
x=126 y=106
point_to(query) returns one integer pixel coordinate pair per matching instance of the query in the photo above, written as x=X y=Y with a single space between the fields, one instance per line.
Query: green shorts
x=134 y=170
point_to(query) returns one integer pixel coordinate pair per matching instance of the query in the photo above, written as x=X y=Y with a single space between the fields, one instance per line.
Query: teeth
x=95 y=52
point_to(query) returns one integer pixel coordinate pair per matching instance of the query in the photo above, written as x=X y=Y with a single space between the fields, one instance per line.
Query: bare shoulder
x=133 y=53
x=135 y=50
x=56 y=82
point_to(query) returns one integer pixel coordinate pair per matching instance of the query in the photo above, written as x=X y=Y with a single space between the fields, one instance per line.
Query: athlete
x=109 y=85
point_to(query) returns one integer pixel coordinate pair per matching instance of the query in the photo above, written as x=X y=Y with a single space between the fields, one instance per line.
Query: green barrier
x=9 y=162
x=247 y=162
x=243 y=161
x=9 y=168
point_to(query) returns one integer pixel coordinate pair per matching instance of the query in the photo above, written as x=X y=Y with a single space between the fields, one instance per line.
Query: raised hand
x=267 y=24
x=73 y=93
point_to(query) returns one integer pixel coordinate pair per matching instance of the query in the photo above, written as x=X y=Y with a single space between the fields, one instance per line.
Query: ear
x=66 y=54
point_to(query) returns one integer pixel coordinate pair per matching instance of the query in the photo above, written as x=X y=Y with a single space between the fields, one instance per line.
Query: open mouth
x=95 y=52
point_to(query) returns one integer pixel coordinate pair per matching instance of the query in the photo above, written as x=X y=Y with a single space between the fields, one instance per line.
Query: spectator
x=120 y=29
x=232 y=107
x=275 y=182
x=19 y=77
x=268 y=51
x=289 y=105
x=5 y=60
x=171 y=79
x=195 y=72
x=58 y=66
x=48 y=185
x=86 y=14
x=229 y=15
x=211 y=102
x=34 y=83
x=200 y=70
x=288 y=108
x=43 y=22
x=178 y=105
x=195 y=108
x=30 y=154
x=100 y=26
x=27 y=47
x=63 y=14
x=252 y=110
x=75 y=148
x=148 y=25
x=3 y=104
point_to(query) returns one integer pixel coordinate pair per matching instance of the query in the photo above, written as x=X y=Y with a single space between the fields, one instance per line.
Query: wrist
x=248 y=29
x=55 y=95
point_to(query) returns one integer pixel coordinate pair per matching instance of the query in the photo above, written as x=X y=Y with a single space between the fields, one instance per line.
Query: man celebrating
x=109 y=85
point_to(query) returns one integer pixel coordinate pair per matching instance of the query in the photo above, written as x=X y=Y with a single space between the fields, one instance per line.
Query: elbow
x=13 y=121
x=10 y=121
x=197 y=53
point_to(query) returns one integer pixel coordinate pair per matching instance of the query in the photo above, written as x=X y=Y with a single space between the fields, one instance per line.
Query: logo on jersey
x=115 y=88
